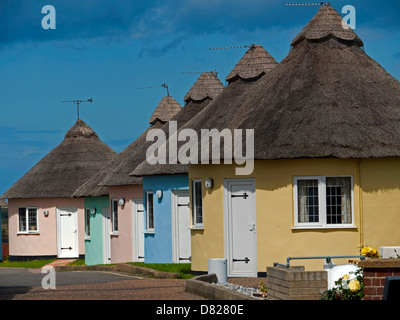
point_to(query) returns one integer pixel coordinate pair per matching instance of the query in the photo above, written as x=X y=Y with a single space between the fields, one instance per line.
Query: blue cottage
x=166 y=189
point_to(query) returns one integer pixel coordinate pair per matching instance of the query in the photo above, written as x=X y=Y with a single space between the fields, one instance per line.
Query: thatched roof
x=3 y=203
x=218 y=113
x=206 y=86
x=205 y=89
x=165 y=110
x=327 y=23
x=253 y=64
x=116 y=172
x=327 y=98
x=77 y=158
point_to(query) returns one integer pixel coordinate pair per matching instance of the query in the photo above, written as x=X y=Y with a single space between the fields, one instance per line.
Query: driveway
x=26 y=284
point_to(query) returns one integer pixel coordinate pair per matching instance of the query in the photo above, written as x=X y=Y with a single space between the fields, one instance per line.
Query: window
x=87 y=223
x=114 y=217
x=149 y=211
x=197 y=204
x=323 y=201
x=28 y=219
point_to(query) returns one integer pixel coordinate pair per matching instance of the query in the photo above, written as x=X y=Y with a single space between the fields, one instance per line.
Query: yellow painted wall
x=276 y=237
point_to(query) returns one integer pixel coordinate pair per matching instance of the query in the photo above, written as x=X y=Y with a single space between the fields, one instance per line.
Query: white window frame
x=148 y=229
x=322 y=213
x=28 y=231
x=87 y=225
x=196 y=225
x=114 y=230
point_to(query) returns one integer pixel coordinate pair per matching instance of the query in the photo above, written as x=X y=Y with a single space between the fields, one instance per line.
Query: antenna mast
x=77 y=103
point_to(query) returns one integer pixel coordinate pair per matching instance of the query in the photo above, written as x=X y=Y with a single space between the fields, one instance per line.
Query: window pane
x=22 y=219
x=338 y=200
x=198 y=202
x=307 y=199
x=150 y=211
x=115 y=216
x=87 y=229
x=32 y=219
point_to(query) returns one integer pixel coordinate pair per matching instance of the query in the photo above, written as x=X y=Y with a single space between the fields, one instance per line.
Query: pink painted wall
x=122 y=243
x=45 y=241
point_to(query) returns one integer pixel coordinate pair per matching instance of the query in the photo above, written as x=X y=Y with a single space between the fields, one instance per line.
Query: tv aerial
x=164 y=85
x=215 y=72
x=78 y=102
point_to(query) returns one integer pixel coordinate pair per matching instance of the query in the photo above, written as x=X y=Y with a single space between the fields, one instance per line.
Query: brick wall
x=375 y=273
x=295 y=283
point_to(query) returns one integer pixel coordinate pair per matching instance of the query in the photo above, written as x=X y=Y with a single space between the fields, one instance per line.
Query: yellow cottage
x=326 y=176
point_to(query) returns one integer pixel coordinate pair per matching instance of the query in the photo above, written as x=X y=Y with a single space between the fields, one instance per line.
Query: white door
x=106 y=236
x=67 y=232
x=240 y=227
x=138 y=229
x=181 y=226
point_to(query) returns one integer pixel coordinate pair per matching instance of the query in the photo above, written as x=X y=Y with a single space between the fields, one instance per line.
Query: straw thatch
x=327 y=98
x=77 y=158
x=206 y=86
x=205 y=89
x=165 y=110
x=219 y=112
x=3 y=203
x=325 y=24
x=116 y=172
x=254 y=63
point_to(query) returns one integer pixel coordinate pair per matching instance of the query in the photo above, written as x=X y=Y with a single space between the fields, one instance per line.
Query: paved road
x=26 y=284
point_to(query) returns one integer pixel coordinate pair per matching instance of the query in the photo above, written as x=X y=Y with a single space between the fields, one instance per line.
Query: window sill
x=114 y=233
x=149 y=232
x=28 y=233
x=324 y=227
x=197 y=228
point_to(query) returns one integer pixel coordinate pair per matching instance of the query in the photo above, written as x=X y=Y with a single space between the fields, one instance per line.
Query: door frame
x=74 y=211
x=174 y=220
x=227 y=225
x=106 y=235
x=135 y=232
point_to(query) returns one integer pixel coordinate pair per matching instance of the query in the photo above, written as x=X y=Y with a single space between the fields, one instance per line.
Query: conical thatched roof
x=218 y=114
x=116 y=172
x=165 y=110
x=77 y=158
x=206 y=86
x=254 y=63
x=327 y=98
x=205 y=89
x=327 y=23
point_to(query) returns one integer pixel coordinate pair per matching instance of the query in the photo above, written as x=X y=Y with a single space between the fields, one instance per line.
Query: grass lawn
x=183 y=269
x=25 y=264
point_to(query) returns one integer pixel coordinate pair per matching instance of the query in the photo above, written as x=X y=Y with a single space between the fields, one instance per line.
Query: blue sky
x=108 y=49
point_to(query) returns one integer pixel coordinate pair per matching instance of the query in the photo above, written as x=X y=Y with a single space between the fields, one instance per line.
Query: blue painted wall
x=158 y=245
